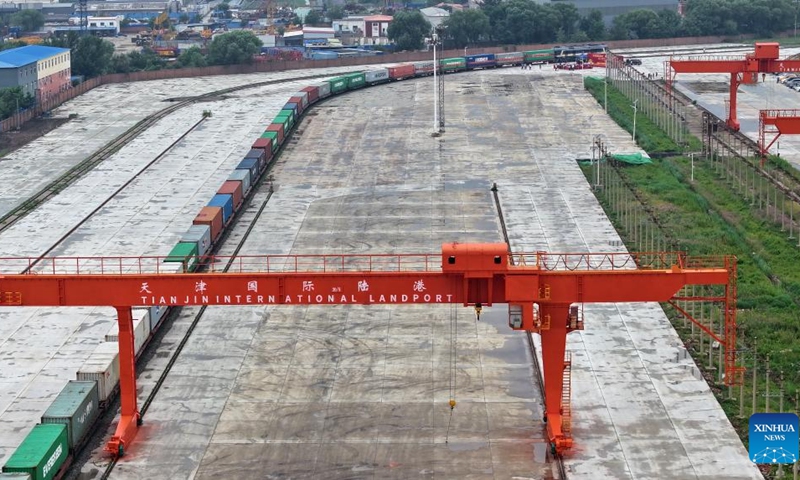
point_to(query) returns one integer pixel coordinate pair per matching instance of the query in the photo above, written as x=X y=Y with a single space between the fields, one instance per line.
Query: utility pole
x=434 y=41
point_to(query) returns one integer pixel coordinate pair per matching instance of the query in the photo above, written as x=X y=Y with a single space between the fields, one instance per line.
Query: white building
x=354 y=25
x=435 y=16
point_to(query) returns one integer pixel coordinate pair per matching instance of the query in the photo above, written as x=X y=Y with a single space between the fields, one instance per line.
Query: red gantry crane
x=783 y=122
x=542 y=290
x=741 y=69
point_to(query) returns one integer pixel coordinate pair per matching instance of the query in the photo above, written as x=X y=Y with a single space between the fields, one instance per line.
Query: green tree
x=145 y=60
x=335 y=13
x=91 y=56
x=408 y=30
x=192 y=57
x=13 y=98
x=313 y=18
x=568 y=17
x=593 y=25
x=120 y=64
x=29 y=20
x=467 y=27
x=12 y=44
x=296 y=20
x=235 y=47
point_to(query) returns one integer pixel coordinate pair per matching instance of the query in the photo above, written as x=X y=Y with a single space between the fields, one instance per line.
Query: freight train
x=49 y=448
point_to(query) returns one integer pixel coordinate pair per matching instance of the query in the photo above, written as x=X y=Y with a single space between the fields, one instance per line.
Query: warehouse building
x=40 y=71
x=613 y=8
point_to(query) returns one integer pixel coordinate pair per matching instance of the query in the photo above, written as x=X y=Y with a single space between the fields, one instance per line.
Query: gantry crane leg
x=554 y=344
x=129 y=413
x=733 y=120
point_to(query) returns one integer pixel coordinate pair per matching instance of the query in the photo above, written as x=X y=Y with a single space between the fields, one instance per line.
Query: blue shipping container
x=291 y=106
x=484 y=60
x=250 y=164
x=225 y=202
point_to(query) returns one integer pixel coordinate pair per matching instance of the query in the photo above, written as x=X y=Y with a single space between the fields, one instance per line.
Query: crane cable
x=452 y=364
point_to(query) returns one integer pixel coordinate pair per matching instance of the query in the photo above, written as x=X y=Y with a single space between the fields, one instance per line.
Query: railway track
x=558 y=460
x=76 y=172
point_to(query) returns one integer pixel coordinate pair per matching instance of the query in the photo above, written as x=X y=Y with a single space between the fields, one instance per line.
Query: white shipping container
x=304 y=96
x=156 y=315
x=141 y=329
x=102 y=366
x=324 y=89
x=376 y=76
x=242 y=176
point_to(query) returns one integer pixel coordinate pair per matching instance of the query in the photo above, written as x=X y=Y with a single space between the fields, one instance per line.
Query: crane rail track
x=76 y=172
x=558 y=459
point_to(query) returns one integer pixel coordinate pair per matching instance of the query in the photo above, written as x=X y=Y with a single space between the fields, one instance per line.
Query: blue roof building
x=39 y=70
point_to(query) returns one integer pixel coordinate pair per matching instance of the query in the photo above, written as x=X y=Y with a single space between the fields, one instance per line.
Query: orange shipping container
x=211 y=216
x=401 y=71
x=232 y=187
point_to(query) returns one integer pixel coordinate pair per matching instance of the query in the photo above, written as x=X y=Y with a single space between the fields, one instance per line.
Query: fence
x=278 y=66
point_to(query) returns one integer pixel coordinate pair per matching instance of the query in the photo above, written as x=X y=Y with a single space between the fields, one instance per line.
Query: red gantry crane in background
x=742 y=70
x=784 y=122
x=543 y=292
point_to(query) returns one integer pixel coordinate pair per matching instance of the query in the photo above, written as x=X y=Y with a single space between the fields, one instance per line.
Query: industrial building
x=613 y=8
x=40 y=71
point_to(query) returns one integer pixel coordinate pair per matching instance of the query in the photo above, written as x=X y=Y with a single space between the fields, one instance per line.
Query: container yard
x=360 y=391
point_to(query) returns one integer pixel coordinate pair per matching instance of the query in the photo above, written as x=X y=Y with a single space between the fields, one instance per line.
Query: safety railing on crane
x=344 y=263
x=708 y=58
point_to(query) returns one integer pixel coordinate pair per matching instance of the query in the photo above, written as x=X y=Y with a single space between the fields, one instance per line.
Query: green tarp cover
x=632 y=158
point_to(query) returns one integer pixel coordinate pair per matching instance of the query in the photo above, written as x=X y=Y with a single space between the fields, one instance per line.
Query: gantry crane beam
x=765 y=59
x=785 y=122
x=539 y=288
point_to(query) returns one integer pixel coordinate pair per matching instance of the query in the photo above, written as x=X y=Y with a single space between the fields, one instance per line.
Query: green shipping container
x=338 y=84
x=538 y=56
x=274 y=137
x=76 y=407
x=453 y=64
x=355 y=80
x=185 y=253
x=42 y=452
x=288 y=112
x=285 y=120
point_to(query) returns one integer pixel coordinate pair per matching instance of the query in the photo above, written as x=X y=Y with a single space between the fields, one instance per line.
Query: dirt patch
x=708 y=87
x=10 y=141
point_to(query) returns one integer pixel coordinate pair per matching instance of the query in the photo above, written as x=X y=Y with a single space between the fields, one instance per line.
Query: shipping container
x=292 y=107
x=42 y=453
x=274 y=137
x=453 y=64
x=355 y=80
x=483 y=60
x=285 y=117
x=226 y=201
x=313 y=93
x=323 y=90
x=251 y=165
x=211 y=216
x=102 y=366
x=157 y=314
x=277 y=127
x=77 y=407
x=259 y=154
x=301 y=98
x=374 y=77
x=291 y=113
x=400 y=72
x=141 y=326
x=201 y=235
x=423 y=68
x=186 y=253
x=241 y=176
x=265 y=143
x=337 y=85
x=233 y=188
x=538 y=56
x=512 y=58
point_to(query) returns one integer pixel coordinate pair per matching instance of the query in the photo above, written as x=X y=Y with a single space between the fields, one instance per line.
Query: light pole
x=635 y=102
x=436 y=131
